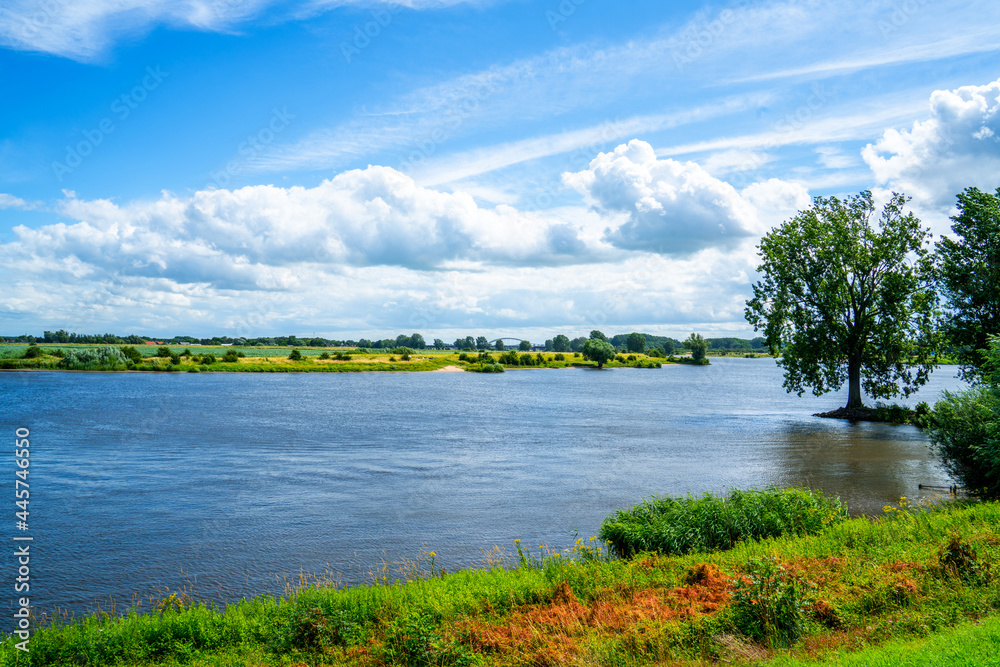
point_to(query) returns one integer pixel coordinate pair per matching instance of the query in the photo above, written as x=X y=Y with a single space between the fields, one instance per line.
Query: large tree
x=698 y=346
x=842 y=298
x=970 y=278
x=560 y=343
x=598 y=350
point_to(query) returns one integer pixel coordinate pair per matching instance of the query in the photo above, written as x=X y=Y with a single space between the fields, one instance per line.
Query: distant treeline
x=560 y=343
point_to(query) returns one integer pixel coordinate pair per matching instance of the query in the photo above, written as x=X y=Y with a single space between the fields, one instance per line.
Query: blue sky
x=519 y=168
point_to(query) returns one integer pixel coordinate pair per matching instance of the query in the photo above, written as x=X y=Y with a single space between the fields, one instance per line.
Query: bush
x=559 y=356
x=526 y=360
x=492 y=368
x=33 y=352
x=175 y=360
x=510 y=358
x=295 y=355
x=964 y=428
x=685 y=525
x=163 y=351
x=132 y=354
x=232 y=356
x=464 y=357
x=402 y=351
x=324 y=356
x=187 y=352
x=208 y=359
x=95 y=359
x=768 y=604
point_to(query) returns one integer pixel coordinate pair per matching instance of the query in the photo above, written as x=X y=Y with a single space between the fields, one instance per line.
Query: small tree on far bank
x=698 y=346
x=598 y=350
x=841 y=299
x=635 y=342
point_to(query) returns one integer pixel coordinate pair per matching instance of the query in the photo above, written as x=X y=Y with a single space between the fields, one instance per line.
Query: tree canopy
x=969 y=267
x=598 y=350
x=698 y=346
x=841 y=299
x=635 y=342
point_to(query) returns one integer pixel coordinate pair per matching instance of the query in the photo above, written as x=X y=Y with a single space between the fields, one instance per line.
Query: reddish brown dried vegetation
x=551 y=633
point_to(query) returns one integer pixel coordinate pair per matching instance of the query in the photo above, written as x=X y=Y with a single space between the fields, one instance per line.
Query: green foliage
x=697 y=345
x=208 y=359
x=33 y=352
x=231 y=356
x=464 y=357
x=163 y=351
x=132 y=354
x=186 y=352
x=490 y=368
x=559 y=356
x=295 y=355
x=768 y=605
x=499 y=346
x=560 y=343
x=683 y=525
x=402 y=350
x=635 y=342
x=175 y=360
x=841 y=300
x=969 y=267
x=509 y=358
x=94 y=359
x=524 y=346
x=957 y=559
x=324 y=356
x=526 y=360
x=598 y=350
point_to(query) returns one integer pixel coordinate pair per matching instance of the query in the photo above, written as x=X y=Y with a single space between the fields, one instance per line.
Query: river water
x=142 y=482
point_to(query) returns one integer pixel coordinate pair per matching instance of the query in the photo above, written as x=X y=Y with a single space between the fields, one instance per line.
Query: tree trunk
x=854 y=382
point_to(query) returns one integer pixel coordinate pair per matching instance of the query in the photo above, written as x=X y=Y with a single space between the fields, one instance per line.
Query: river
x=143 y=482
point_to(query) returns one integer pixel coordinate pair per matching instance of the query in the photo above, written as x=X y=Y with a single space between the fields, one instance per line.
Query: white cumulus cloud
x=957 y=147
x=678 y=208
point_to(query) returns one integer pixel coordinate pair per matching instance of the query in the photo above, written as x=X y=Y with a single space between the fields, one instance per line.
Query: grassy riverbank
x=912 y=580
x=202 y=359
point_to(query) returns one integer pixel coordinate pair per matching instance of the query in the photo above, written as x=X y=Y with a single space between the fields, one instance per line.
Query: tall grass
x=684 y=525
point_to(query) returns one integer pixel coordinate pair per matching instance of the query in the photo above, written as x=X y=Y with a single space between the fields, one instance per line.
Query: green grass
x=857 y=585
x=684 y=525
x=970 y=644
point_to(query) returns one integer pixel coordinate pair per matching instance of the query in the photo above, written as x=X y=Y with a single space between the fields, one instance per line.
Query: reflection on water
x=868 y=464
x=157 y=480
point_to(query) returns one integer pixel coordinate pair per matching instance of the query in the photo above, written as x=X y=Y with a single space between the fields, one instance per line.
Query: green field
x=917 y=586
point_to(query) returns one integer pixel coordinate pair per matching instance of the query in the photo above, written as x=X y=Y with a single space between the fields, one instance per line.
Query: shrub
x=768 y=604
x=492 y=368
x=208 y=359
x=559 y=356
x=175 y=360
x=132 y=354
x=510 y=358
x=526 y=360
x=404 y=357
x=402 y=350
x=342 y=356
x=33 y=352
x=964 y=428
x=688 y=524
x=656 y=353
x=186 y=352
x=163 y=351
x=295 y=355
x=324 y=356
x=464 y=357
x=95 y=359
x=231 y=356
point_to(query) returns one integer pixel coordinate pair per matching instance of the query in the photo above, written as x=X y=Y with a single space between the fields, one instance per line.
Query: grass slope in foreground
x=855 y=585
